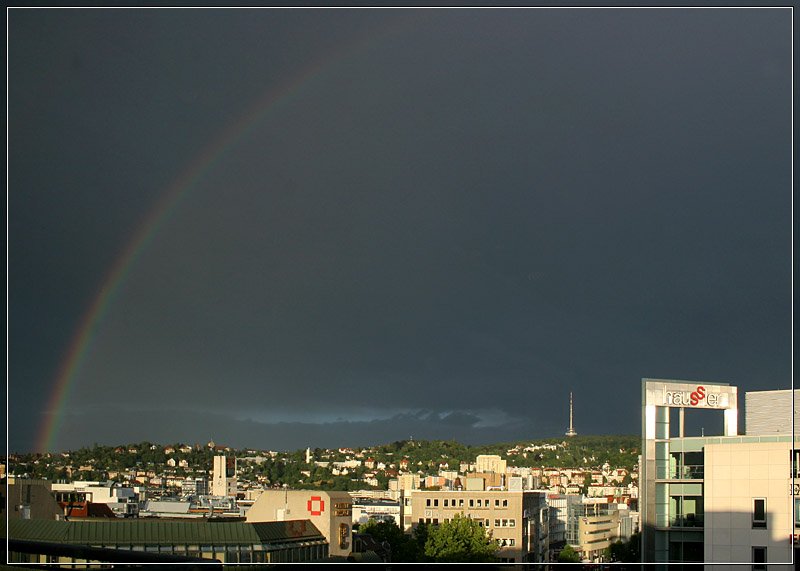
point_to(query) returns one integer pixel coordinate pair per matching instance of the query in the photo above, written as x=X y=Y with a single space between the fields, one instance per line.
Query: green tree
x=405 y=548
x=569 y=555
x=460 y=540
x=587 y=481
x=625 y=551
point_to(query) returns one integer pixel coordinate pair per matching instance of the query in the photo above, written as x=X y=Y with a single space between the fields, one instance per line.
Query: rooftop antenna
x=571 y=431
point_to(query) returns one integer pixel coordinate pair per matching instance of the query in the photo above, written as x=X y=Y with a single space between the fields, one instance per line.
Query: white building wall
x=490 y=463
x=221 y=485
x=735 y=475
x=331 y=513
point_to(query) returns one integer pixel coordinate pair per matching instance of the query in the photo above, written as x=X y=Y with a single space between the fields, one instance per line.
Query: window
x=428 y=502
x=505 y=503
x=759 y=512
x=497 y=523
x=471 y=502
x=512 y=522
x=487 y=523
x=436 y=503
x=759 y=557
x=445 y=503
x=795 y=464
x=461 y=503
x=797 y=513
x=497 y=503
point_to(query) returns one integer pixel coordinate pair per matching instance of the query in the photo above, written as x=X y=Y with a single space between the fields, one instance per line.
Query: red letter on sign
x=319 y=508
x=698 y=395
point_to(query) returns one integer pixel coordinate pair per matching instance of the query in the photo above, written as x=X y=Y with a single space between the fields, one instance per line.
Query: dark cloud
x=178 y=425
x=457 y=211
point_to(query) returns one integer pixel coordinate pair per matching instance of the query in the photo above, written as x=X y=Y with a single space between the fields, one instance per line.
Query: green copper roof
x=162 y=532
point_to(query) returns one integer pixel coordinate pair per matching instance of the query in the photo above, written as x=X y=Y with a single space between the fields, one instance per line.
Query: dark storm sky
x=458 y=218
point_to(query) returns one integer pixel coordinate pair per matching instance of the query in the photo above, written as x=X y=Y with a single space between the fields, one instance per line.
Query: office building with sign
x=723 y=498
x=330 y=512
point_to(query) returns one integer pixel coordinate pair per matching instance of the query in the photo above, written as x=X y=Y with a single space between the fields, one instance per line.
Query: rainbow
x=171 y=198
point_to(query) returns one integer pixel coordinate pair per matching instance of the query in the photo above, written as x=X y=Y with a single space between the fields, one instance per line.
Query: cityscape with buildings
x=457 y=284
x=663 y=497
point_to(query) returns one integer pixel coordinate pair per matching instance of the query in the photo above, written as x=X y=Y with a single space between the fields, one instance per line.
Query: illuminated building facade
x=715 y=498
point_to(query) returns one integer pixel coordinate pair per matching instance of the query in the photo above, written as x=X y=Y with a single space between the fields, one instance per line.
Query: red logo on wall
x=697 y=395
x=318 y=508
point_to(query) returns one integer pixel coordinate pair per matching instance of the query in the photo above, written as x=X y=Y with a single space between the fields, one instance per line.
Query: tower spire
x=571 y=431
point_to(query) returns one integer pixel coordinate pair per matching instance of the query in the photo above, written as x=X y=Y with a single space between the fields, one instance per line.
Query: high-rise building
x=724 y=498
x=490 y=463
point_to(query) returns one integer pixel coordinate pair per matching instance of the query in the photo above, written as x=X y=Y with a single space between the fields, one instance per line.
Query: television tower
x=571 y=431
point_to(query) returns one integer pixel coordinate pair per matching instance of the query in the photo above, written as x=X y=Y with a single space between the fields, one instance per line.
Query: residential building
x=122 y=500
x=405 y=482
x=598 y=527
x=490 y=463
x=564 y=510
x=195 y=486
x=589 y=525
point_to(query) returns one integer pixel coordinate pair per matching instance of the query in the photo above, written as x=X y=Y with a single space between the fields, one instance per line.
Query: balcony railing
x=686 y=473
x=687 y=520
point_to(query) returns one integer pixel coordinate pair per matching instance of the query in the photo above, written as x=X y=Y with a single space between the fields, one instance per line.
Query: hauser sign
x=699 y=397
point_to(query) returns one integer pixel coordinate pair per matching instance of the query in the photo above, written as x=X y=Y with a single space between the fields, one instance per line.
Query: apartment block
x=518 y=520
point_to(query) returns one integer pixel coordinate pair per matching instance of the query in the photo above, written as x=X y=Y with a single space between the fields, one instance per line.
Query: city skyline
x=290 y=228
